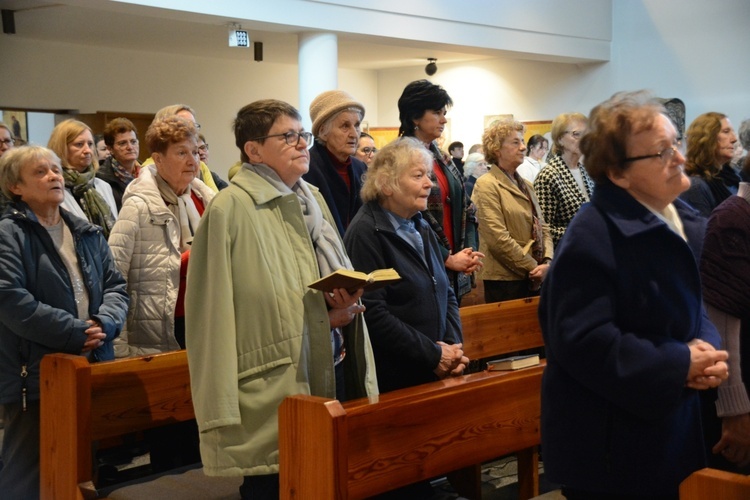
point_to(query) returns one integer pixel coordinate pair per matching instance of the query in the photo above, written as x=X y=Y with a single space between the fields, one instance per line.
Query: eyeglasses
x=125 y=143
x=203 y=147
x=369 y=151
x=291 y=138
x=577 y=134
x=7 y=142
x=665 y=155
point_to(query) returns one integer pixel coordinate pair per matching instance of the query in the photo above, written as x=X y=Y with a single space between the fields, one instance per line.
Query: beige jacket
x=505 y=221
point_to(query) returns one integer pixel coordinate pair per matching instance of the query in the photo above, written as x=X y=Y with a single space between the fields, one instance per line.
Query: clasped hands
x=343 y=306
x=96 y=336
x=452 y=360
x=708 y=367
x=464 y=261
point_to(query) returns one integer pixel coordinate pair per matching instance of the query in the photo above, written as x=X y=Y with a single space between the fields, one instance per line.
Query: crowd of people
x=104 y=256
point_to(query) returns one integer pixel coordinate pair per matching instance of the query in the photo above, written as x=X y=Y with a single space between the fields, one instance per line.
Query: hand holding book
x=354 y=280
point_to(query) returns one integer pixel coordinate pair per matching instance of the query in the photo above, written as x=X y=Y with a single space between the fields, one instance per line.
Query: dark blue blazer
x=620 y=302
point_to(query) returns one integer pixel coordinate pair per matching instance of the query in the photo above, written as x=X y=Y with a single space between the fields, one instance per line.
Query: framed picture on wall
x=383 y=135
x=16 y=121
x=541 y=127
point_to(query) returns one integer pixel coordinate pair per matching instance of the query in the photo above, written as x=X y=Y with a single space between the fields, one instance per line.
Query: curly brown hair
x=169 y=130
x=495 y=135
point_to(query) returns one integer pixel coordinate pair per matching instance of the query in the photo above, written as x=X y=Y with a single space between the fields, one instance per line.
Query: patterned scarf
x=537 y=248
x=122 y=173
x=81 y=184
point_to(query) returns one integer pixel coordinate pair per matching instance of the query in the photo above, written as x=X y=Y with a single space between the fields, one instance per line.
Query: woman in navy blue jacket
x=59 y=292
x=627 y=340
x=414 y=324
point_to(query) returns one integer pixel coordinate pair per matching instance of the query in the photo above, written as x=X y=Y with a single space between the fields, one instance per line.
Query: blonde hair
x=172 y=110
x=559 y=127
x=63 y=134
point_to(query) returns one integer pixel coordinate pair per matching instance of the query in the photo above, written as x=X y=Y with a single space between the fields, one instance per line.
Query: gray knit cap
x=327 y=104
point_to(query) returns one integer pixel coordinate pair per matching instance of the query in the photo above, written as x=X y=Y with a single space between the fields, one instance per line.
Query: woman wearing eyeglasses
x=629 y=346
x=121 y=167
x=256 y=332
x=334 y=169
x=366 y=149
x=563 y=185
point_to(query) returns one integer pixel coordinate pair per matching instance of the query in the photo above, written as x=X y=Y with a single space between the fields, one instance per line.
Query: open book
x=513 y=362
x=354 y=280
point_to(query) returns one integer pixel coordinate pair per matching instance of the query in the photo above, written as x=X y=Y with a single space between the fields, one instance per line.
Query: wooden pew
x=712 y=483
x=82 y=403
x=362 y=447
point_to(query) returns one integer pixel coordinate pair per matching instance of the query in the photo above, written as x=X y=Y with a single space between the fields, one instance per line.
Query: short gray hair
x=13 y=161
x=389 y=163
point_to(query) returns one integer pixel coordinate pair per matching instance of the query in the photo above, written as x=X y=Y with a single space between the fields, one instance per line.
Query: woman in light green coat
x=256 y=332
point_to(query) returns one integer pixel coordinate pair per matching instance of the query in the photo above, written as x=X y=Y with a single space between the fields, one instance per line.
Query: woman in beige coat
x=512 y=233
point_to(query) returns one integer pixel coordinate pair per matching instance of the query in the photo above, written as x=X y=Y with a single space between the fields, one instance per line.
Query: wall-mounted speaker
x=9 y=22
x=258 y=48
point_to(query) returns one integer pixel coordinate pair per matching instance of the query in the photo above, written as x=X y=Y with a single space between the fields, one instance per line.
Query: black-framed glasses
x=203 y=147
x=577 y=134
x=7 y=142
x=369 y=151
x=664 y=155
x=292 y=138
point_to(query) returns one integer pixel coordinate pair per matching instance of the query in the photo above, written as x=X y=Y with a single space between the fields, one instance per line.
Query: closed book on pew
x=354 y=280
x=513 y=362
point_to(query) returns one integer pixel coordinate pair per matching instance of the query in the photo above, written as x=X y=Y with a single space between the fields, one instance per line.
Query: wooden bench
x=83 y=403
x=364 y=447
x=712 y=483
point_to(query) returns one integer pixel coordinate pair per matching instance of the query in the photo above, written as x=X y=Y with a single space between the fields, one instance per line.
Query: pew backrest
x=82 y=403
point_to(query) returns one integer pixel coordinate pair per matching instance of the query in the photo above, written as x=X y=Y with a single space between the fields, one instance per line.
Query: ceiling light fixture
x=431 y=67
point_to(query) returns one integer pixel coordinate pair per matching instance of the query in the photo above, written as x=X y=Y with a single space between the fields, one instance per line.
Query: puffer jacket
x=145 y=243
x=38 y=311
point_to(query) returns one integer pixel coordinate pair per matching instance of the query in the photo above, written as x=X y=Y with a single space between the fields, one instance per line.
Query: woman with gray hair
x=474 y=167
x=59 y=292
x=334 y=169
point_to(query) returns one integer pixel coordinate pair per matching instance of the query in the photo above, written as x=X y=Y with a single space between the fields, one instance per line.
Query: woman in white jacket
x=151 y=239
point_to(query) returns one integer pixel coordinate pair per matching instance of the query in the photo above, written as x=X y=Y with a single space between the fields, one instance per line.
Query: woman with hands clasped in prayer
x=512 y=231
x=60 y=291
x=628 y=343
x=414 y=323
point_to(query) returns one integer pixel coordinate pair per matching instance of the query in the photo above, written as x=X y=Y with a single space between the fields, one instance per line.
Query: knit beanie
x=328 y=104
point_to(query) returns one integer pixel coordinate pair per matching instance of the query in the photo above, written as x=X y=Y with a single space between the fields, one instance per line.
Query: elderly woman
x=512 y=231
x=86 y=196
x=534 y=160
x=121 y=166
x=151 y=240
x=208 y=177
x=710 y=149
x=255 y=332
x=563 y=185
x=422 y=108
x=336 y=118
x=414 y=323
x=59 y=292
x=474 y=167
x=628 y=342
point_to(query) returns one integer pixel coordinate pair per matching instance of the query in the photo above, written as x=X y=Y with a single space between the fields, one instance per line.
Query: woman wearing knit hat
x=422 y=108
x=336 y=118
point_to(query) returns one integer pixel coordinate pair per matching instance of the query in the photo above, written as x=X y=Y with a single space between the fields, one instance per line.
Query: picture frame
x=17 y=123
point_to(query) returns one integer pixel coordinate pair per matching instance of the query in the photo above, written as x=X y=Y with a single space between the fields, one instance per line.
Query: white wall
x=691 y=49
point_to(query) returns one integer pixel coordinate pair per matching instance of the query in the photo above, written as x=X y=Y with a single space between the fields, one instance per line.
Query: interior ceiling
x=127 y=26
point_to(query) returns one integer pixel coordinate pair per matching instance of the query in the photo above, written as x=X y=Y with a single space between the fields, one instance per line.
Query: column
x=318 y=69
